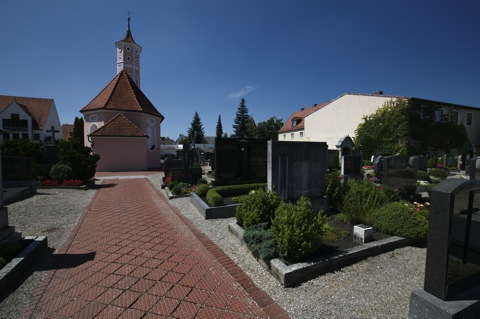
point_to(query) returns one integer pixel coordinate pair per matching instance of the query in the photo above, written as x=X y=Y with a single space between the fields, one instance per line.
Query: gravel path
x=378 y=287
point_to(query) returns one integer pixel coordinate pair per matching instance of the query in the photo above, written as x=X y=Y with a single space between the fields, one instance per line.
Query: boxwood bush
x=439 y=173
x=258 y=207
x=423 y=176
x=61 y=172
x=202 y=189
x=398 y=219
x=297 y=229
x=214 y=199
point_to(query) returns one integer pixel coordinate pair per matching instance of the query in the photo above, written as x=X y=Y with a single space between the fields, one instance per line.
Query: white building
x=331 y=121
x=30 y=118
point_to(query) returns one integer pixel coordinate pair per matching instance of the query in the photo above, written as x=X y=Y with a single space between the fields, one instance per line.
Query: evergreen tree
x=195 y=132
x=219 y=128
x=77 y=132
x=241 y=127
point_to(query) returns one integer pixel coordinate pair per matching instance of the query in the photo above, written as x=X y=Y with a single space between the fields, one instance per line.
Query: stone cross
x=53 y=131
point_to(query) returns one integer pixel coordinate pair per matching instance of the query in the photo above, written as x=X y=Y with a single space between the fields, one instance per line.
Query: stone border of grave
x=301 y=272
x=171 y=196
x=19 y=264
x=208 y=212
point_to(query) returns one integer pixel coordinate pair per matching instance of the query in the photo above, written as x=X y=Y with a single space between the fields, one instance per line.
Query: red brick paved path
x=133 y=256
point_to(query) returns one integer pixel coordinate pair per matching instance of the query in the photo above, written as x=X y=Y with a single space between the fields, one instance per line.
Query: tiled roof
x=119 y=126
x=300 y=115
x=122 y=94
x=67 y=130
x=37 y=108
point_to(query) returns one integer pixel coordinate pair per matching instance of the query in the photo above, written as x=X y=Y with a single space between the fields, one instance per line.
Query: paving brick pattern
x=133 y=256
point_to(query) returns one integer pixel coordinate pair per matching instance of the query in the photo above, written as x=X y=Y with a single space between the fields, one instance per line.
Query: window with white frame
x=284 y=136
x=301 y=134
x=438 y=116
x=469 y=118
x=454 y=117
x=292 y=135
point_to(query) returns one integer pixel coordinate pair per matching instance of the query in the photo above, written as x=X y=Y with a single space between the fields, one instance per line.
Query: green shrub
x=423 y=176
x=172 y=184
x=238 y=190
x=213 y=198
x=176 y=190
x=297 y=229
x=258 y=207
x=431 y=162
x=61 y=172
x=398 y=219
x=202 y=181
x=259 y=239
x=391 y=193
x=361 y=199
x=202 y=189
x=336 y=190
x=439 y=173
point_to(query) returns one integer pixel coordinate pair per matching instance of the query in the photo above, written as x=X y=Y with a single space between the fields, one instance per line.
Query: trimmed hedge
x=202 y=189
x=398 y=219
x=231 y=190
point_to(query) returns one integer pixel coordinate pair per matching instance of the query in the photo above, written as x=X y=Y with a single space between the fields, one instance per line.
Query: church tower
x=128 y=56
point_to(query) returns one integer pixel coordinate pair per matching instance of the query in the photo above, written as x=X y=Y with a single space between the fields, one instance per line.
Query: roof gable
x=119 y=126
x=298 y=117
x=122 y=94
x=37 y=108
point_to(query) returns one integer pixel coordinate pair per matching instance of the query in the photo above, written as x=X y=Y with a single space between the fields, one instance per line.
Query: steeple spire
x=128 y=55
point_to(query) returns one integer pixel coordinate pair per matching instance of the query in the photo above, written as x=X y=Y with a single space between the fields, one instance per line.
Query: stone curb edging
x=268 y=305
x=208 y=212
x=295 y=274
x=20 y=263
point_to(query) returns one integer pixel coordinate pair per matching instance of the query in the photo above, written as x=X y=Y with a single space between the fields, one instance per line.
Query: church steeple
x=128 y=55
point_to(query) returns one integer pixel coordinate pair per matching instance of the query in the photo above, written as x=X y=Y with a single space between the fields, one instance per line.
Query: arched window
x=152 y=138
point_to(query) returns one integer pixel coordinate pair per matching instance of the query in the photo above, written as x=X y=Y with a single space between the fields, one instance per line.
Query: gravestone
x=298 y=168
x=452 y=269
x=240 y=161
x=400 y=175
x=418 y=162
x=351 y=167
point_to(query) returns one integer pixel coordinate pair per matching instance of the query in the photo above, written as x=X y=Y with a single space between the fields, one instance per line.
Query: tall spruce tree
x=196 y=133
x=219 y=128
x=241 y=127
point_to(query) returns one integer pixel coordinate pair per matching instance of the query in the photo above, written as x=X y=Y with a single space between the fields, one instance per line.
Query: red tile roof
x=67 y=130
x=37 y=108
x=300 y=116
x=119 y=126
x=122 y=94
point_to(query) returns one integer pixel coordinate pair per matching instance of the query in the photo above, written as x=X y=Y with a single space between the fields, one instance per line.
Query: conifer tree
x=196 y=133
x=219 y=128
x=77 y=132
x=241 y=127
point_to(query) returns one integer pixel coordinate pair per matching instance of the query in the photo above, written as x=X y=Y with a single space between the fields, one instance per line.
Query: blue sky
x=206 y=55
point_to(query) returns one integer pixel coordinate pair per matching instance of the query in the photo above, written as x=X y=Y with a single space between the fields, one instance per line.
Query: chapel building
x=121 y=124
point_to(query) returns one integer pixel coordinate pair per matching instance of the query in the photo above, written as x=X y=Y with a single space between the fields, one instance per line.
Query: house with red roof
x=331 y=122
x=30 y=118
x=120 y=123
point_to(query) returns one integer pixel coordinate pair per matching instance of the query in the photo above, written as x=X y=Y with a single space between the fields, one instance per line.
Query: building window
x=469 y=118
x=454 y=117
x=284 y=137
x=25 y=136
x=438 y=116
x=292 y=136
x=301 y=134
x=6 y=136
x=36 y=136
x=15 y=136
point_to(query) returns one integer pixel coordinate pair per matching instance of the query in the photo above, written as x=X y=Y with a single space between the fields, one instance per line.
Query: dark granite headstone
x=398 y=173
x=351 y=165
x=240 y=160
x=298 y=168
